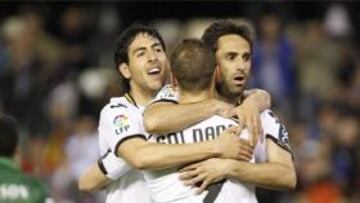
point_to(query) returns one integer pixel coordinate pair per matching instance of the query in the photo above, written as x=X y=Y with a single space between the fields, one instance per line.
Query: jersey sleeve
x=120 y=123
x=275 y=130
x=112 y=166
x=167 y=94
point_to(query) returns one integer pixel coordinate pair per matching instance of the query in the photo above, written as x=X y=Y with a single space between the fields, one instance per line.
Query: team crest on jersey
x=121 y=124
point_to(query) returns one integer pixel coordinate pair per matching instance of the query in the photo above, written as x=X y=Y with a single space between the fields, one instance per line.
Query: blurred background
x=57 y=72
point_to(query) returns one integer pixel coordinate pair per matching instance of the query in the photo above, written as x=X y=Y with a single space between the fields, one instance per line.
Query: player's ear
x=124 y=70
x=217 y=74
x=173 y=80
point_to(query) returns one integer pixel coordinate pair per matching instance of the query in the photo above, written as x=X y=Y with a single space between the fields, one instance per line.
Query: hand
x=205 y=172
x=246 y=150
x=249 y=116
x=224 y=109
x=233 y=147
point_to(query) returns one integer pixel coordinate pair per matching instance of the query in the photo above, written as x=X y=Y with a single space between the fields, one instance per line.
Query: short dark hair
x=225 y=27
x=8 y=135
x=126 y=38
x=193 y=64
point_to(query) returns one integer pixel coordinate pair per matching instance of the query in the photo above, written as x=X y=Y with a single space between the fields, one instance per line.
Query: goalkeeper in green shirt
x=15 y=187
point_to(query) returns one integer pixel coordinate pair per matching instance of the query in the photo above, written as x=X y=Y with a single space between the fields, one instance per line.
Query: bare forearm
x=167 y=117
x=144 y=155
x=157 y=157
x=93 y=180
x=266 y=175
x=258 y=96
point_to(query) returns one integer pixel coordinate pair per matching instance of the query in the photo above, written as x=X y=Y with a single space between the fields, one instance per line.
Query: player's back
x=165 y=185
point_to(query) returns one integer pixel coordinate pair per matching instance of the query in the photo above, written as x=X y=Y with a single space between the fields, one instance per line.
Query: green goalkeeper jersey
x=16 y=187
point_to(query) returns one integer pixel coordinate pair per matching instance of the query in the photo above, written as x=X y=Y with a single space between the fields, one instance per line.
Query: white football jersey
x=165 y=185
x=167 y=93
x=121 y=119
x=233 y=190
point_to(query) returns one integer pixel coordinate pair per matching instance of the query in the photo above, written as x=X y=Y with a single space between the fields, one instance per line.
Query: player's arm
x=93 y=179
x=276 y=174
x=259 y=96
x=96 y=177
x=145 y=155
x=165 y=117
x=248 y=112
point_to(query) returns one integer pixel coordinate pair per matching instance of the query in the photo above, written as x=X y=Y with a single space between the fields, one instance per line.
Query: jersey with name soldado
x=165 y=186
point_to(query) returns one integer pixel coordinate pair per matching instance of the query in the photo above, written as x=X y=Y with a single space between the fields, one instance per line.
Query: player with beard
x=141 y=60
x=231 y=44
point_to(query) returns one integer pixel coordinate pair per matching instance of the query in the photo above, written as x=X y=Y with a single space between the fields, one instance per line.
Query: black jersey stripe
x=214 y=191
x=118 y=105
x=127 y=138
x=166 y=100
x=101 y=164
x=280 y=144
x=130 y=99
x=102 y=167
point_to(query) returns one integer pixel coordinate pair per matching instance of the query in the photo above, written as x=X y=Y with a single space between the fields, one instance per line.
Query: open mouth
x=154 y=70
x=239 y=79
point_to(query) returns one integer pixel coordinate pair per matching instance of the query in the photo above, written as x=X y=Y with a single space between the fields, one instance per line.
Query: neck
x=141 y=96
x=194 y=96
x=226 y=96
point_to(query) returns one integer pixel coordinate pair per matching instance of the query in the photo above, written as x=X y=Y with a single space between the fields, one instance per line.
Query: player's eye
x=246 y=57
x=140 y=53
x=231 y=56
x=158 y=49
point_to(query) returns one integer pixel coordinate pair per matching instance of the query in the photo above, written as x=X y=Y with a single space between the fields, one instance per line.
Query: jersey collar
x=130 y=99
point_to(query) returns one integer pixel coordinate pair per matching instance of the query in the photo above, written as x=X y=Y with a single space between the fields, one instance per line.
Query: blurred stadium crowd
x=57 y=72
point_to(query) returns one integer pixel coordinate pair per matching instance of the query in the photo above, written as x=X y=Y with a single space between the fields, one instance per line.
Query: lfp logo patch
x=121 y=124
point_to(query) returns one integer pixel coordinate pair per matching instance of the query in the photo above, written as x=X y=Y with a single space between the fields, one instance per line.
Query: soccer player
x=14 y=186
x=231 y=44
x=141 y=60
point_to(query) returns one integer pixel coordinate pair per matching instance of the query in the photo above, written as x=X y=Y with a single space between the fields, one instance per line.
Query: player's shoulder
x=270 y=122
x=167 y=93
x=275 y=129
x=269 y=117
x=117 y=104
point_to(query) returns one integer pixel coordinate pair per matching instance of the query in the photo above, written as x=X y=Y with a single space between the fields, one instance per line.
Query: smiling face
x=233 y=57
x=147 y=64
